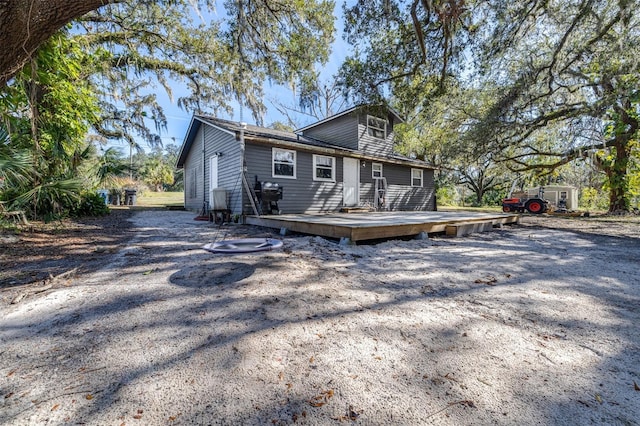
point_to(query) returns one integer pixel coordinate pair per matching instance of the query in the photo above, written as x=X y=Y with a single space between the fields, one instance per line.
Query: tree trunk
x=619 y=180
x=479 y=196
x=24 y=25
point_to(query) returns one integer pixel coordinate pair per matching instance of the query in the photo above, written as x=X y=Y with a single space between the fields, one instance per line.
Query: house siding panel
x=373 y=146
x=343 y=131
x=193 y=175
x=400 y=194
x=229 y=162
x=300 y=195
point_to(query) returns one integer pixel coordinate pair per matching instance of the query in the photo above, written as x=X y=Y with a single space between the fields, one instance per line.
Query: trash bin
x=104 y=194
x=130 y=197
x=114 y=197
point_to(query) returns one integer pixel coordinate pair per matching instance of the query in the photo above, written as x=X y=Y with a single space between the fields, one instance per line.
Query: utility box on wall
x=218 y=199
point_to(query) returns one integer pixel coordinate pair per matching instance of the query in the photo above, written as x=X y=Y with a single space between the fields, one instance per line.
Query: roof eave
x=335 y=151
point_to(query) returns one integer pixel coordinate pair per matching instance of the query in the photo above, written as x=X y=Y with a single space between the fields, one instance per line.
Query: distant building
x=556 y=194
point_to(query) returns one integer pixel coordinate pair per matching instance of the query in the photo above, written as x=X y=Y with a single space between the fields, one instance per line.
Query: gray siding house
x=343 y=161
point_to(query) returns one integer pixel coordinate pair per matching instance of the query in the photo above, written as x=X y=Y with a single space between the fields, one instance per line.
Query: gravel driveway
x=529 y=324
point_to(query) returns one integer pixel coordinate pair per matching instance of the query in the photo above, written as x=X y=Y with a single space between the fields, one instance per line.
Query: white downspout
x=243 y=167
x=204 y=174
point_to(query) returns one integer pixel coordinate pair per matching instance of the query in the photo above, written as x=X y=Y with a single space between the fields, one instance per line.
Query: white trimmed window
x=376 y=170
x=376 y=127
x=284 y=163
x=416 y=177
x=324 y=168
x=193 y=179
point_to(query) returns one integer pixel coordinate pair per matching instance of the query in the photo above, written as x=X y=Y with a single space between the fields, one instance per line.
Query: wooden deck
x=376 y=225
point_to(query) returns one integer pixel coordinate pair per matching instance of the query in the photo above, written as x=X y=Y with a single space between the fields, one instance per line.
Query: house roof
x=278 y=137
x=349 y=111
x=251 y=130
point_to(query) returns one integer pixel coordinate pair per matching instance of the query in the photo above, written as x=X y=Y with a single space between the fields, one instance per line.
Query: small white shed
x=555 y=193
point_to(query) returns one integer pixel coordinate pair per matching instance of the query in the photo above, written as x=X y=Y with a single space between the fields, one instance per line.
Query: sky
x=178 y=120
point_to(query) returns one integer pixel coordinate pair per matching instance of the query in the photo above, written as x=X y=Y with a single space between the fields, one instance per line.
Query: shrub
x=90 y=204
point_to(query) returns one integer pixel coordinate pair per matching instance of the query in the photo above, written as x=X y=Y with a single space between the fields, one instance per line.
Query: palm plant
x=110 y=167
x=15 y=165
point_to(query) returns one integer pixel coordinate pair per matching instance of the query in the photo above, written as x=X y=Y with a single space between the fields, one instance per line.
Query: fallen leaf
x=311 y=359
x=489 y=280
x=635 y=386
x=89 y=397
x=9 y=395
x=598 y=398
x=174 y=418
x=280 y=375
x=137 y=416
x=353 y=414
x=55 y=407
x=11 y=372
x=320 y=400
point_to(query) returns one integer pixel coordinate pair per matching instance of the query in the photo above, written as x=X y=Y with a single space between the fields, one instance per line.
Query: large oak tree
x=103 y=71
x=561 y=63
x=25 y=25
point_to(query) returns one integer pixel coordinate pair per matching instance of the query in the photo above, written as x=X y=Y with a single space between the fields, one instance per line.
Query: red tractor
x=521 y=202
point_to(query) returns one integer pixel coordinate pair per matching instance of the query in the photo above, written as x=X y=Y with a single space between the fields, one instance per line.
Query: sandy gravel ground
x=529 y=324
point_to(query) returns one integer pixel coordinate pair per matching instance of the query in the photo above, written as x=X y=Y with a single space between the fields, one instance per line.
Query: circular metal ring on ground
x=245 y=245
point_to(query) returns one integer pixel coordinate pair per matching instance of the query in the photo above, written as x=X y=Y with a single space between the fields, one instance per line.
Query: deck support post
x=346 y=241
x=284 y=231
x=423 y=235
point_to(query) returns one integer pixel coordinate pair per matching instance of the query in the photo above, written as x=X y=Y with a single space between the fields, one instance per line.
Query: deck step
x=356 y=209
x=465 y=228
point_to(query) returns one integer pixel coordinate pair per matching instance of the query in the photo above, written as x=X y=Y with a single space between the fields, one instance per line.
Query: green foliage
x=493 y=197
x=110 y=166
x=446 y=196
x=593 y=200
x=540 y=84
x=15 y=164
x=634 y=175
x=211 y=57
x=157 y=173
x=89 y=204
x=103 y=76
x=48 y=109
x=50 y=200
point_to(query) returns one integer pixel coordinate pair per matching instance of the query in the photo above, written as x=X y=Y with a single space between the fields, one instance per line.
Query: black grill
x=268 y=193
x=271 y=191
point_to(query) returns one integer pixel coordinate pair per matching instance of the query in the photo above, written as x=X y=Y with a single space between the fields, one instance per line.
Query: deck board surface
x=374 y=225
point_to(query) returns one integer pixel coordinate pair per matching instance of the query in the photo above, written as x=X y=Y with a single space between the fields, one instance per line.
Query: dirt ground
x=126 y=320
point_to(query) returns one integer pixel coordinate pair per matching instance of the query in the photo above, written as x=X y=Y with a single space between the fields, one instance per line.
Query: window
x=376 y=170
x=284 y=163
x=416 y=177
x=324 y=168
x=376 y=127
x=193 y=179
